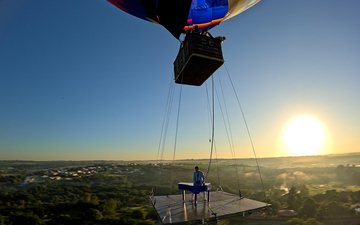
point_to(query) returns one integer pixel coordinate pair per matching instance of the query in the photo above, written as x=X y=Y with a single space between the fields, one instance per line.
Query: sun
x=304 y=135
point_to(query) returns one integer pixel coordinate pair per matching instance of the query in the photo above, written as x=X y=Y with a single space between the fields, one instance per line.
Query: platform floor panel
x=172 y=209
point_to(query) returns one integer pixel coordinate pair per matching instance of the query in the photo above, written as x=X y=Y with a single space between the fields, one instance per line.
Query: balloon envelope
x=178 y=16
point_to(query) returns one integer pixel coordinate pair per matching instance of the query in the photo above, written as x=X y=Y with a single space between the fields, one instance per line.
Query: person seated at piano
x=198 y=177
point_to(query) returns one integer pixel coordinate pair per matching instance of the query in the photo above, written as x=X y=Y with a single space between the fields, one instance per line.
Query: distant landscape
x=317 y=189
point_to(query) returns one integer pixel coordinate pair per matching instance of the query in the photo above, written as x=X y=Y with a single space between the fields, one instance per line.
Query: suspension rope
x=217 y=168
x=247 y=129
x=212 y=124
x=227 y=125
x=176 y=134
x=165 y=122
x=228 y=132
x=210 y=133
x=227 y=115
x=177 y=122
x=209 y=110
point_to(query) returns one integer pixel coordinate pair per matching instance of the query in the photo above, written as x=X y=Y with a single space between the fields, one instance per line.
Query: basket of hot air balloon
x=199 y=56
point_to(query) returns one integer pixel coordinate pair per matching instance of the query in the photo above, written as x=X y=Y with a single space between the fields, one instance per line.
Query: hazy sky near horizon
x=83 y=80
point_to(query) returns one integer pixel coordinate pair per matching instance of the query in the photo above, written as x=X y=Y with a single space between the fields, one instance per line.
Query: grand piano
x=195 y=189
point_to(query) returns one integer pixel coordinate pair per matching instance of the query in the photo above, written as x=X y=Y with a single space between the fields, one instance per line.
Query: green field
x=324 y=188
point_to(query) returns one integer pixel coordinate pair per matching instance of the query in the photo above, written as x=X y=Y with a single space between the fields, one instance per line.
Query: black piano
x=195 y=189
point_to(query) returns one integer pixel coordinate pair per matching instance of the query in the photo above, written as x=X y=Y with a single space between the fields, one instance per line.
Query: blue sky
x=84 y=80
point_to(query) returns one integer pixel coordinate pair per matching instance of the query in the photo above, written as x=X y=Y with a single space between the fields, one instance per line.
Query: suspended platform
x=172 y=210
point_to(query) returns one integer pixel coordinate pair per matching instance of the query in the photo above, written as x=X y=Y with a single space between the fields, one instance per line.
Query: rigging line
x=226 y=127
x=177 y=122
x=213 y=125
x=229 y=137
x=176 y=133
x=209 y=111
x=209 y=118
x=247 y=129
x=165 y=120
x=217 y=167
x=169 y=108
x=227 y=115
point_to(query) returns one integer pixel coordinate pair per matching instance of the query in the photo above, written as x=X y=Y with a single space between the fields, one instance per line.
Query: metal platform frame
x=172 y=210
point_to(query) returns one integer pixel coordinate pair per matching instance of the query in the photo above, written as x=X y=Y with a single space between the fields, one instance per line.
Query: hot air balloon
x=200 y=54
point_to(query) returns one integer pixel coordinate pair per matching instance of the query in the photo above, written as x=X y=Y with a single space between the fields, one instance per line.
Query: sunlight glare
x=304 y=135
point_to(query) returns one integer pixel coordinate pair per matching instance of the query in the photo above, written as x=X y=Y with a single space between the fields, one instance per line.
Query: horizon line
x=167 y=160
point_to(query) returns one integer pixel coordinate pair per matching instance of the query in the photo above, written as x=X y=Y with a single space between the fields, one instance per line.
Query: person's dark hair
x=196 y=167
